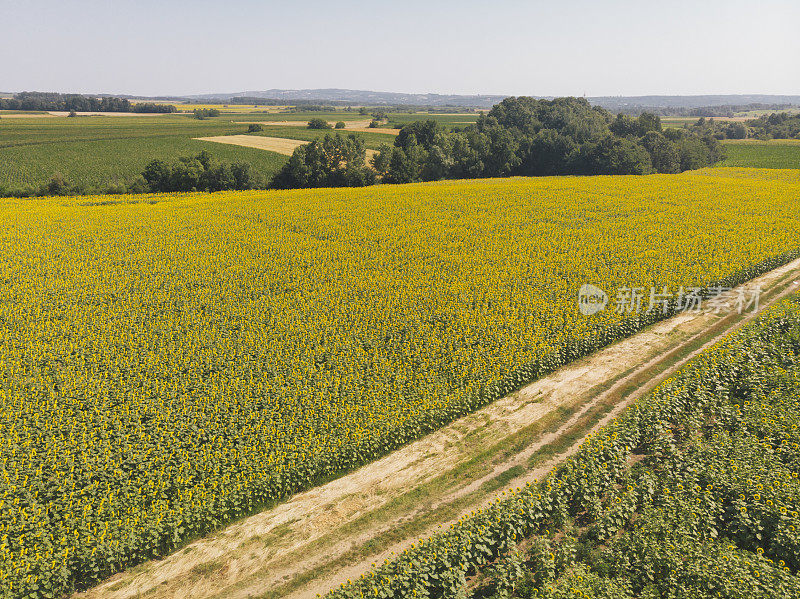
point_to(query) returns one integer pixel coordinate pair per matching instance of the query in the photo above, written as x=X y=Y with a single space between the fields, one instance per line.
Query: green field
x=672 y=121
x=97 y=163
x=98 y=150
x=446 y=120
x=776 y=153
x=754 y=114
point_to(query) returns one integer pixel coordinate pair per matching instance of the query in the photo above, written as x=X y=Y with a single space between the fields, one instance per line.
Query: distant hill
x=625 y=102
x=365 y=97
x=374 y=98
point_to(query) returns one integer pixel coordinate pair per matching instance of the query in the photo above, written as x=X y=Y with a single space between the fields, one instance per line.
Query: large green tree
x=333 y=161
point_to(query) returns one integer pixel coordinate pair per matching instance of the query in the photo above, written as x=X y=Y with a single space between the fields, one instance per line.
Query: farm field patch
x=447 y=120
x=349 y=127
x=281 y=145
x=99 y=150
x=98 y=162
x=668 y=121
x=774 y=153
x=178 y=361
x=334 y=532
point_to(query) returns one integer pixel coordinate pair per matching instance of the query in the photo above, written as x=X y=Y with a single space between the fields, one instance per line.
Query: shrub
x=198 y=173
x=254 y=128
x=318 y=124
x=340 y=124
x=58 y=185
x=202 y=113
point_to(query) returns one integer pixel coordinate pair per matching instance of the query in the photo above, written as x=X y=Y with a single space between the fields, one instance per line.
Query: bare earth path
x=322 y=537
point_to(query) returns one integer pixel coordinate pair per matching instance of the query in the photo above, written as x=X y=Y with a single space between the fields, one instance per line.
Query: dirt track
x=327 y=530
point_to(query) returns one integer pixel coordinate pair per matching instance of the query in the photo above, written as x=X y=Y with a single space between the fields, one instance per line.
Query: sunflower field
x=172 y=362
x=691 y=492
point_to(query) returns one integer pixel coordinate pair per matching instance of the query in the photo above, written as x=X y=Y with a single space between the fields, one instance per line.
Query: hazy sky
x=558 y=47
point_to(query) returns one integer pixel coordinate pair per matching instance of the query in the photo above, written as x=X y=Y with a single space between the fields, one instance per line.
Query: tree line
x=204 y=113
x=778 y=125
x=519 y=136
x=720 y=110
x=51 y=101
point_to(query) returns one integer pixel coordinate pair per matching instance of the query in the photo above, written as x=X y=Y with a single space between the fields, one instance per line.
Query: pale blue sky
x=560 y=47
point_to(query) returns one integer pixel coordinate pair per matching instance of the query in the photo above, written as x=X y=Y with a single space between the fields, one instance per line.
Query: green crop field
x=672 y=121
x=776 y=153
x=446 y=120
x=98 y=150
x=754 y=114
x=96 y=163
